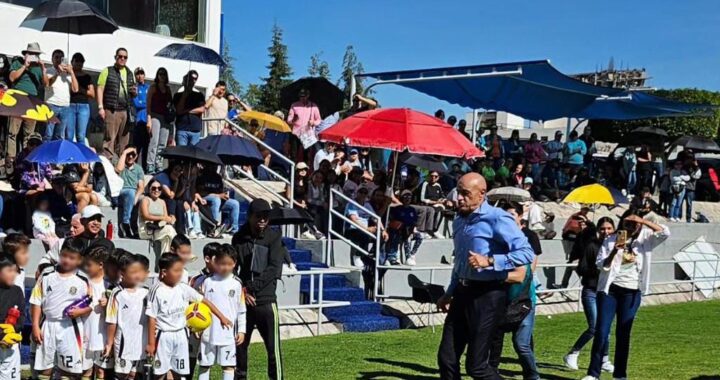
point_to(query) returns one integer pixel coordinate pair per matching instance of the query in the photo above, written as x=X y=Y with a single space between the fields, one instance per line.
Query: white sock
x=204 y=373
x=606 y=359
x=229 y=374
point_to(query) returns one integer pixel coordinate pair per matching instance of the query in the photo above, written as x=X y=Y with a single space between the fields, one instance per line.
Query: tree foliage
x=279 y=73
x=707 y=126
x=227 y=72
x=318 y=66
x=351 y=66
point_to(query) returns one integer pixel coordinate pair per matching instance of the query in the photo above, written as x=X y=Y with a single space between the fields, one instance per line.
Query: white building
x=146 y=26
x=508 y=122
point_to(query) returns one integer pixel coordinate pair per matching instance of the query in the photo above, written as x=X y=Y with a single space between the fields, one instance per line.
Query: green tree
x=318 y=66
x=707 y=125
x=227 y=73
x=253 y=95
x=351 y=66
x=279 y=72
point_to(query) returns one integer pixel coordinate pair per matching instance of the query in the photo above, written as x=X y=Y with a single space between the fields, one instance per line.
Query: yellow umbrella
x=590 y=194
x=265 y=120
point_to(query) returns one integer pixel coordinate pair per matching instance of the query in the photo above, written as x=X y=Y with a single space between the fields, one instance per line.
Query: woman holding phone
x=624 y=263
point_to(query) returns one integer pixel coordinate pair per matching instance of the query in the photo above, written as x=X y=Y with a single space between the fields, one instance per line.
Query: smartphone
x=32 y=58
x=621 y=238
x=64 y=61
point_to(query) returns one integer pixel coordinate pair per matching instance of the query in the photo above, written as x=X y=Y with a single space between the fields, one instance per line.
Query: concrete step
x=370 y=323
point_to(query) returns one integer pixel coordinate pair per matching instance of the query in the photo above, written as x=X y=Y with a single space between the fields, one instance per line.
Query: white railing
x=320 y=303
x=573 y=288
x=332 y=233
x=287 y=198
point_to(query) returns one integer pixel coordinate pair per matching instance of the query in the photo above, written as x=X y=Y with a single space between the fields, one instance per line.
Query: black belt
x=481 y=284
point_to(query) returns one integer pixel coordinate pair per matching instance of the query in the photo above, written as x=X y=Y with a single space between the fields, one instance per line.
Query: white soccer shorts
x=10 y=363
x=124 y=367
x=172 y=353
x=62 y=346
x=95 y=358
x=211 y=354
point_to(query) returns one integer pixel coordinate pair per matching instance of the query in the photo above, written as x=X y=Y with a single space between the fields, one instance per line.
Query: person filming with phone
x=624 y=263
x=61 y=81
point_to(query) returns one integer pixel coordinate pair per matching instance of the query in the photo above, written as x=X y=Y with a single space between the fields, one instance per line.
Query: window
x=184 y=19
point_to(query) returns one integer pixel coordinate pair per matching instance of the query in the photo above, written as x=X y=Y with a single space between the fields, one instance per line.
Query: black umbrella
x=190 y=153
x=281 y=216
x=425 y=162
x=698 y=144
x=232 y=150
x=651 y=131
x=328 y=97
x=192 y=53
x=70 y=17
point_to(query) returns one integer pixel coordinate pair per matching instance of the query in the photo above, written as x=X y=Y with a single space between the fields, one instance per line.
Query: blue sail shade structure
x=534 y=90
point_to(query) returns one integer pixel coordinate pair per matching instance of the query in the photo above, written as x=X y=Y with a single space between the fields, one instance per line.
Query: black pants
x=267 y=320
x=475 y=312
x=141 y=139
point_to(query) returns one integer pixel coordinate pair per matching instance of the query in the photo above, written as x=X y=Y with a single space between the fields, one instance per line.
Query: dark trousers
x=475 y=312
x=267 y=320
x=141 y=139
x=624 y=304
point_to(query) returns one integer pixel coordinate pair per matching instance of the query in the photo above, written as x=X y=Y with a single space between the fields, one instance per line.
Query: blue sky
x=678 y=42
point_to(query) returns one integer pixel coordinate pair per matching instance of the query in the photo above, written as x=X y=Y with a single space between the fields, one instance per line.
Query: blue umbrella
x=62 y=152
x=192 y=53
x=232 y=150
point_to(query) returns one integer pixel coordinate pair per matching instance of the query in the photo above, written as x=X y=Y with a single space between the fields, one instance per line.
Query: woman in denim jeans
x=624 y=275
x=79 y=114
x=159 y=98
x=591 y=238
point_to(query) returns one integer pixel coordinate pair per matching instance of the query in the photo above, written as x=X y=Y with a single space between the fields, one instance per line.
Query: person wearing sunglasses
x=154 y=222
x=133 y=183
x=115 y=90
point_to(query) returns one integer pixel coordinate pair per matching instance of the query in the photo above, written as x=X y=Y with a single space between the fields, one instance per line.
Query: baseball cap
x=72 y=177
x=35 y=136
x=528 y=181
x=405 y=192
x=301 y=166
x=139 y=70
x=91 y=210
x=353 y=151
x=259 y=205
x=558 y=133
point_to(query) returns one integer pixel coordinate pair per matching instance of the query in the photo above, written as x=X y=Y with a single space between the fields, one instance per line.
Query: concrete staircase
x=360 y=316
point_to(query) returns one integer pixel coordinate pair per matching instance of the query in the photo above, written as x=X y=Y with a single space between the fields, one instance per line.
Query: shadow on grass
x=706 y=377
x=428 y=373
x=541 y=366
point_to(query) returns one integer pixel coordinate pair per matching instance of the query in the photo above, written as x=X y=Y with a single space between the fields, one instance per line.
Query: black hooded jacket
x=259 y=264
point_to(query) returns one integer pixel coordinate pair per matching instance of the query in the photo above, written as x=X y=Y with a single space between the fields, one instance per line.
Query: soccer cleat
x=571 y=361
x=608 y=367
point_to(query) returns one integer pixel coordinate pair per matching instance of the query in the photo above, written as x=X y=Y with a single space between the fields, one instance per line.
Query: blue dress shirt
x=140 y=102
x=488 y=231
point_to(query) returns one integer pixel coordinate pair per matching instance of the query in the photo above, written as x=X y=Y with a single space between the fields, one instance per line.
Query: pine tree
x=227 y=72
x=318 y=66
x=278 y=75
x=351 y=66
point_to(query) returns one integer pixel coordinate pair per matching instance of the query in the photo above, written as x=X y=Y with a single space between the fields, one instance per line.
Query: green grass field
x=673 y=342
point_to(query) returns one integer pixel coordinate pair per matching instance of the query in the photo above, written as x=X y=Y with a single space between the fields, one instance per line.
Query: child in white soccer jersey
x=167 y=336
x=60 y=337
x=225 y=291
x=196 y=282
x=95 y=363
x=126 y=320
x=182 y=247
x=11 y=297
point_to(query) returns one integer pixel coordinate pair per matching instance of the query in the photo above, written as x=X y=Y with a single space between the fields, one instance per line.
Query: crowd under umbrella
x=191 y=153
x=510 y=194
x=232 y=150
x=191 y=52
x=69 y=17
x=424 y=162
x=265 y=120
x=697 y=144
x=327 y=96
x=16 y=103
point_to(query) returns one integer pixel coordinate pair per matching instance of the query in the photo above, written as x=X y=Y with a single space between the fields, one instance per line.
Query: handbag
x=518 y=308
x=308 y=138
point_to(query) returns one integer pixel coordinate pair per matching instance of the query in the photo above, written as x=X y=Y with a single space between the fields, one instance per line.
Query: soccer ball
x=198 y=316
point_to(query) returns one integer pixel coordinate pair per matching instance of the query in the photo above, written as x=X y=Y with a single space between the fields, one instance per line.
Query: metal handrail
x=259 y=183
x=321 y=303
x=340 y=236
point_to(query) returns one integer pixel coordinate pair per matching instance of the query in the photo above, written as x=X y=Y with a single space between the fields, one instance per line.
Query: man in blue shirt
x=488 y=245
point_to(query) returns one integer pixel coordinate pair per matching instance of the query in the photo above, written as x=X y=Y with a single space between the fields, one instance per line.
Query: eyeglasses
x=121 y=57
x=155 y=188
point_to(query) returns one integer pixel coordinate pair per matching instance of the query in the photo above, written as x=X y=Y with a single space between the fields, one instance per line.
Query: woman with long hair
x=586 y=247
x=624 y=263
x=159 y=119
x=155 y=222
x=79 y=115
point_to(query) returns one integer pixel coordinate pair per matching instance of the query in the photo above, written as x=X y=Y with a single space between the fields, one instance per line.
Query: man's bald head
x=471 y=193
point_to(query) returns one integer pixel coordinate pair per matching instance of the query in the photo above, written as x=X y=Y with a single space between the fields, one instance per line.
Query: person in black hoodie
x=586 y=249
x=11 y=296
x=260 y=258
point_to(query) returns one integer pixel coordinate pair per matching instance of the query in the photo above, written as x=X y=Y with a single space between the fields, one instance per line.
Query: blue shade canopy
x=534 y=90
x=62 y=152
x=192 y=53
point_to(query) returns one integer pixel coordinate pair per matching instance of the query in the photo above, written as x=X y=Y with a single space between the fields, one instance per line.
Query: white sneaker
x=307 y=235
x=624 y=192
x=192 y=235
x=588 y=377
x=357 y=262
x=571 y=360
x=411 y=261
x=608 y=367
